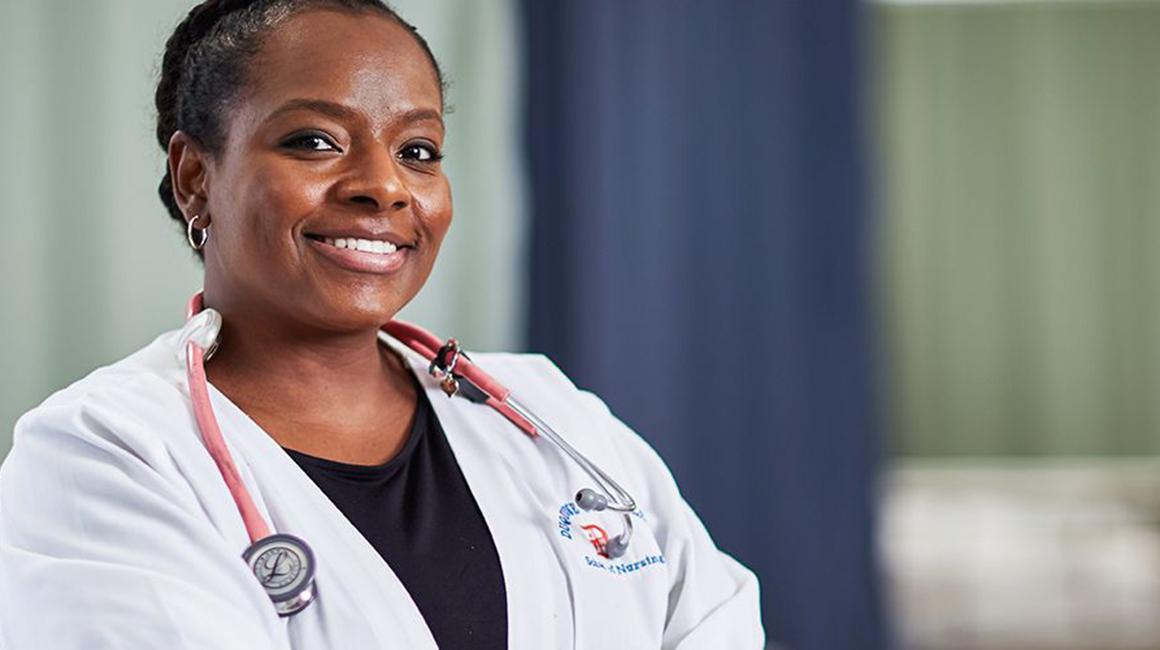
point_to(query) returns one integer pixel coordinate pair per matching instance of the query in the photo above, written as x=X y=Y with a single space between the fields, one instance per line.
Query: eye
x=421 y=152
x=310 y=142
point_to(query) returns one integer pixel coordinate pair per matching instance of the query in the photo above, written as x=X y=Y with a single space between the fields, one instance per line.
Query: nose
x=375 y=181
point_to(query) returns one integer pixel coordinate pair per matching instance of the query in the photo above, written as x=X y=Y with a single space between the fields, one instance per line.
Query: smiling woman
x=304 y=142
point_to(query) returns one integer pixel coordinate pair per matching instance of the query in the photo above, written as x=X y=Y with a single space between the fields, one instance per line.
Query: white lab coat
x=117 y=530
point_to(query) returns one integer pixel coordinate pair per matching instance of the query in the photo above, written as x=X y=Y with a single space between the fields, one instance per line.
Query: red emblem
x=598 y=537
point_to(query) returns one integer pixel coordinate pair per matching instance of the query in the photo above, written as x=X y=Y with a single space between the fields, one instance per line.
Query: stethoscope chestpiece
x=284 y=565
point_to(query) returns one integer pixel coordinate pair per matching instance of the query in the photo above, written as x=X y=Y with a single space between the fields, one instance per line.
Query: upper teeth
x=364 y=245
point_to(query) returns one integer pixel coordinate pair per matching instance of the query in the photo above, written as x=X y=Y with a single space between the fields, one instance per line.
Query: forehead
x=361 y=59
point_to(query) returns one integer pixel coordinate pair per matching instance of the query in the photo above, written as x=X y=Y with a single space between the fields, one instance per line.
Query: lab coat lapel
x=524 y=488
x=496 y=460
x=352 y=576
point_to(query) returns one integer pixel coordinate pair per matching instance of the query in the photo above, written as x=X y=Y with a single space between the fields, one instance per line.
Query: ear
x=188 y=166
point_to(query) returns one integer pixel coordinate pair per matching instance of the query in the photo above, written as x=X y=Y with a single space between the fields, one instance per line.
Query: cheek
x=271 y=201
x=434 y=209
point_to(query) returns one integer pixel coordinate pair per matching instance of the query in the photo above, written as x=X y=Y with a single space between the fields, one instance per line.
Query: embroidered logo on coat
x=572 y=524
x=598 y=537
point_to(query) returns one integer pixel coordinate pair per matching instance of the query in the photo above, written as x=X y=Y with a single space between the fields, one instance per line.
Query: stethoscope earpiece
x=616 y=547
x=589 y=500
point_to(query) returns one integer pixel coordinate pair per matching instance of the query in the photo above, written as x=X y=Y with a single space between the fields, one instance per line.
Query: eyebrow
x=341 y=112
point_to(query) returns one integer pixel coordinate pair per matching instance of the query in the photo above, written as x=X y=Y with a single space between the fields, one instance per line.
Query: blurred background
x=875 y=278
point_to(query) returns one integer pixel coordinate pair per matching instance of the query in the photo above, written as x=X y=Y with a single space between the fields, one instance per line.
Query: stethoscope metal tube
x=586 y=498
x=459 y=375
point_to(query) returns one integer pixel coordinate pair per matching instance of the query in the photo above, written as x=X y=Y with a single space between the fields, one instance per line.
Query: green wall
x=1018 y=159
x=92 y=268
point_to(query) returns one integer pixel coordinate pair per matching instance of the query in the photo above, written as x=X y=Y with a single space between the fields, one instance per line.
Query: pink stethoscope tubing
x=450 y=366
x=211 y=433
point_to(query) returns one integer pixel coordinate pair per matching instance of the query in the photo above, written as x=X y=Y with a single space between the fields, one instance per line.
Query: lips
x=355 y=231
x=361 y=254
x=363 y=245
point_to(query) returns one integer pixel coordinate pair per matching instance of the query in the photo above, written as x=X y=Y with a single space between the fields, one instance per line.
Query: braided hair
x=207 y=58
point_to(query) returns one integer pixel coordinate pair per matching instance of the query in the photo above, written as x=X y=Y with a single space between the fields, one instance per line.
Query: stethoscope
x=285 y=565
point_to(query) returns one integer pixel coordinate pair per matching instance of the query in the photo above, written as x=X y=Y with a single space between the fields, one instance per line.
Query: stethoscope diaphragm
x=284 y=566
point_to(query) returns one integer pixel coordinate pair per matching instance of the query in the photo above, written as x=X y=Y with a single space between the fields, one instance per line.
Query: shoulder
x=155 y=361
x=98 y=504
x=109 y=406
x=586 y=420
x=538 y=383
x=523 y=369
x=113 y=439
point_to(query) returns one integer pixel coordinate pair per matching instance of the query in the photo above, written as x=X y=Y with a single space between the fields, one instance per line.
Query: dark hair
x=206 y=62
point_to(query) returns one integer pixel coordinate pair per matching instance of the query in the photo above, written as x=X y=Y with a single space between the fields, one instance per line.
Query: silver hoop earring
x=196 y=244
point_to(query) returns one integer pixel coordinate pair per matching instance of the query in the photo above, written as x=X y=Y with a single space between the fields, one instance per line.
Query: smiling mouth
x=362 y=255
x=376 y=246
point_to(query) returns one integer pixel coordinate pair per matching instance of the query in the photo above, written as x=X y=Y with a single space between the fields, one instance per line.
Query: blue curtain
x=700 y=259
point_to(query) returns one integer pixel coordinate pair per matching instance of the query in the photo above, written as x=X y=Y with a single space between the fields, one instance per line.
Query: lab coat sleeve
x=103 y=545
x=713 y=599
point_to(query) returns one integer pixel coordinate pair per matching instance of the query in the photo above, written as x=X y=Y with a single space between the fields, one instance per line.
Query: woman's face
x=328 y=203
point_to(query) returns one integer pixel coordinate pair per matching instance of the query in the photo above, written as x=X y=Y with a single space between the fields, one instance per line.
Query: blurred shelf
x=1024 y=554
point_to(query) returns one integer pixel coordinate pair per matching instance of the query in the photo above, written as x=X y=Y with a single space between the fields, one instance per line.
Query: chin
x=358 y=310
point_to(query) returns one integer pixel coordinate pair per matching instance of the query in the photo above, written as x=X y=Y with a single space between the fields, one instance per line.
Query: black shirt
x=419 y=514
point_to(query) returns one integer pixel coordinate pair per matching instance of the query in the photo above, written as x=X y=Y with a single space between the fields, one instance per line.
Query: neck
x=315 y=378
